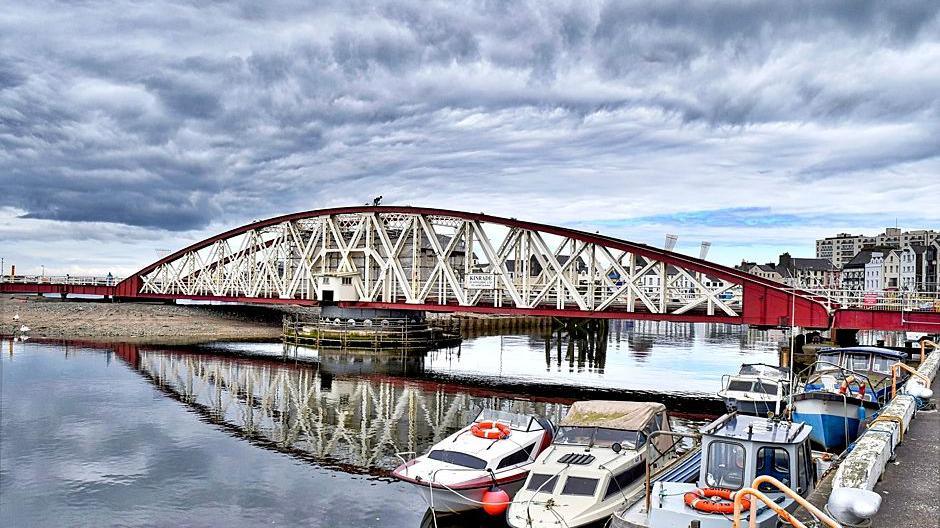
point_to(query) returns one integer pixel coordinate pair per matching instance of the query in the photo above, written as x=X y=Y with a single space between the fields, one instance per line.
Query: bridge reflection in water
x=352 y=424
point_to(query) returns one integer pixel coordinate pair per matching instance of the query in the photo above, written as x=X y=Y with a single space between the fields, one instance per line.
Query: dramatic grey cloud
x=146 y=123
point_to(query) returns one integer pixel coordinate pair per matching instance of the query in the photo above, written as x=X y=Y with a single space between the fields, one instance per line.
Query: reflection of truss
x=425 y=258
x=355 y=425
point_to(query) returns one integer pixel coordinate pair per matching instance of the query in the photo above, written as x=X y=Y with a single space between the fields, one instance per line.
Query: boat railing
x=924 y=343
x=894 y=376
x=647 y=486
x=782 y=513
x=843 y=371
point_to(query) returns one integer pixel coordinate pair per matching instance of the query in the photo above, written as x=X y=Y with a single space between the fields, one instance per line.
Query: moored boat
x=847 y=387
x=493 y=453
x=595 y=463
x=758 y=389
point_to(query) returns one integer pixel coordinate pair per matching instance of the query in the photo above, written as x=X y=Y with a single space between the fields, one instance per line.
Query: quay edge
x=853 y=499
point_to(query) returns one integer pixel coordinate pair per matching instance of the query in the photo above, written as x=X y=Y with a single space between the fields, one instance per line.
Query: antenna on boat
x=792 y=343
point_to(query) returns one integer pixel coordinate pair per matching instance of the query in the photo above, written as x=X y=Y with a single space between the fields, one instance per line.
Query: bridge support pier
x=845 y=337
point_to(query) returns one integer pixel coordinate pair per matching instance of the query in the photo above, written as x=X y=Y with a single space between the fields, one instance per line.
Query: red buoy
x=495 y=501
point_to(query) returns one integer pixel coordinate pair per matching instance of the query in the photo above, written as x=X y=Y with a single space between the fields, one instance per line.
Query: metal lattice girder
x=426 y=257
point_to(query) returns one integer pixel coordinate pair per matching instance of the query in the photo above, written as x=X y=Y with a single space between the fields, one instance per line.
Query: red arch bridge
x=438 y=260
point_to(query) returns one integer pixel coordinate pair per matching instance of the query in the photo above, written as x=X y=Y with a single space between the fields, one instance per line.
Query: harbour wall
x=866 y=463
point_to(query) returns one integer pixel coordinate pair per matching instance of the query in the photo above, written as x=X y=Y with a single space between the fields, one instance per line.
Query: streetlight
x=43 y=270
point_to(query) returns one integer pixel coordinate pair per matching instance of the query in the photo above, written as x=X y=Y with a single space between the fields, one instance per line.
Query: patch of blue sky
x=765 y=217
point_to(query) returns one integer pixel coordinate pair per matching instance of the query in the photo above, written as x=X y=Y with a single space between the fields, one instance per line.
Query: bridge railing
x=61 y=279
x=898 y=301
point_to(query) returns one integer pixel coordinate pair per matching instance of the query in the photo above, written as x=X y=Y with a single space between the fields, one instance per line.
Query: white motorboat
x=757 y=389
x=493 y=453
x=595 y=464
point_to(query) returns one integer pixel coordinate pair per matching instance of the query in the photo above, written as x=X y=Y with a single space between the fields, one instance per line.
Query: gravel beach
x=139 y=322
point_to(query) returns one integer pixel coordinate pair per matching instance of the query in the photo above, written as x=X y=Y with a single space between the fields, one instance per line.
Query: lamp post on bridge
x=43 y=275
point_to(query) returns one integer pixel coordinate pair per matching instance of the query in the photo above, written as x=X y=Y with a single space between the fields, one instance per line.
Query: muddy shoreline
x=156 y=323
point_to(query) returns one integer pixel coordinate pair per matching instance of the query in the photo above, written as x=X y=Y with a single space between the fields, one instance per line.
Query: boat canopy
x=623 y=415
x=764 y=370
x=876 y=351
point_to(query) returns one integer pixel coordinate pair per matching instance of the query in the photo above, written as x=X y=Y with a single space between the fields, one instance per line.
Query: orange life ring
x=490 y=430
x=701 y=500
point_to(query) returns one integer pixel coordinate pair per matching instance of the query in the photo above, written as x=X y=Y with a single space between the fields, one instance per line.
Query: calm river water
x=251 y=434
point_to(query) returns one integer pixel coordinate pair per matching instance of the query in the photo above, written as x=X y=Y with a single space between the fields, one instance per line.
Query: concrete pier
x=910 y=489
x=897 y=457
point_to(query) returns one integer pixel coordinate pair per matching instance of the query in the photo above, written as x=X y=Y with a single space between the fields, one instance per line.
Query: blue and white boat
x=847 y=387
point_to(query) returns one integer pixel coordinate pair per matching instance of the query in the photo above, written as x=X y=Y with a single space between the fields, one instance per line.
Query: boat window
x=857 y=362
x=574 y=435
x=881 y=364
x=828 y=361
x=457 y=458
x=579 y=486
x=541 y=482
x=518 y=457
x=802 y=478
x=738 y=385
x=520 y=422
x=725 y=465
x=596 y=436
x=775 y=462
x=621 y=483
x=607 y=437
x=766 y=388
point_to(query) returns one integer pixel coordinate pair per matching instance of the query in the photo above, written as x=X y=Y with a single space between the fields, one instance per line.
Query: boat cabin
x=736 y=449
x=863 y=360
x=757 y=389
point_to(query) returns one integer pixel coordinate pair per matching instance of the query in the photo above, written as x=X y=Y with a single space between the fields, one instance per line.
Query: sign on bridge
x=480 y=281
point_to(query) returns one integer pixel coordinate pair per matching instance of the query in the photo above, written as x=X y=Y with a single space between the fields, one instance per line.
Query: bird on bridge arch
x=377 y=200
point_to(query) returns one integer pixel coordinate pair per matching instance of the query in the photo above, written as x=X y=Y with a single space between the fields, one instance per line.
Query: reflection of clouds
x=105 y=470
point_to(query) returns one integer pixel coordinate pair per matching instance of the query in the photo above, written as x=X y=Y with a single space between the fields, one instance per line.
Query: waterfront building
x=853 y=272
x=765 y=271
x=843 y=247
x=874 y=272
x=807 y=273
x=891 y=269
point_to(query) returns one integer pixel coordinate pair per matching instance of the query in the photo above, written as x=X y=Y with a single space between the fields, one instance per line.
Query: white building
x=908 y=273
x=874 y=272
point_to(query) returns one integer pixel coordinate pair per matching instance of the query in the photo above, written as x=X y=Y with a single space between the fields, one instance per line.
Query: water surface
x=240 y=434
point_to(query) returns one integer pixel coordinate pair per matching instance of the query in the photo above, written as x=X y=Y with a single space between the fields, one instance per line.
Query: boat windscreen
x=596 y=436
x=607 y=437
x=828 y=361
x=857 y=362
x=739 y=385
x=881 y=364
x=457 y=458
x=765 y=388
x=519 y=422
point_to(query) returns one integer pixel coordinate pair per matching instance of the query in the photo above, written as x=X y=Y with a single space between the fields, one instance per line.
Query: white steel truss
x=434 y=259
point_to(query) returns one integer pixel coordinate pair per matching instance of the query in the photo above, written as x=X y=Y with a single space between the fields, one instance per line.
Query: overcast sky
x=129 y=127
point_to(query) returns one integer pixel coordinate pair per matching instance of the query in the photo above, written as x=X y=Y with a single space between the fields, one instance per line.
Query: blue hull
x=829 y=431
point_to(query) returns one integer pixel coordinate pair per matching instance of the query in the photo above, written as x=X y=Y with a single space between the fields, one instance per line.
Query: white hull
x=456 y=501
